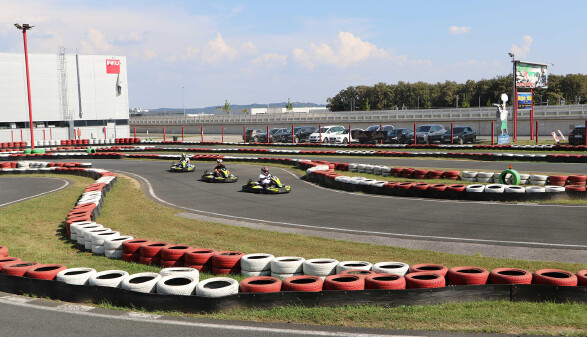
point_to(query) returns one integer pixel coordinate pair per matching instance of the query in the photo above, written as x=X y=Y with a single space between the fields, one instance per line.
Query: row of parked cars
x=337 y=134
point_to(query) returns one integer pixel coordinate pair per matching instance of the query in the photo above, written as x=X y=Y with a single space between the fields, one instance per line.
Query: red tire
x=152 y=249
x=17 y=268
x=582 y=278
x=467 y=275
x=555 y=277
x=404 y=186
x=202 y=268
x=577 y=188
x=133 y=246
x=577 y=180
x=407 y=173
x=456 y=188
x=170 y=263
x=557 y=180
x=226 y=271
x=424 y=280
x=510 y=276
x=433 y=174
x=302 y=283
x=3 y=251
x=130 y=257
x=44 y=271
x=199 y=256
x=174 y=252
x=385 y=281
x=438 y=187
x=260 y=284
x=344 y=282
x=359 y=272
x=7 y=260
x=226 y=259
x=428 y=267
x=420 y=186
x=154 y=261
x=420 y=172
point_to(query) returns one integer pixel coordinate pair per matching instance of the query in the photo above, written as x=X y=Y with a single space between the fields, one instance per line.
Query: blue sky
x=269 y=51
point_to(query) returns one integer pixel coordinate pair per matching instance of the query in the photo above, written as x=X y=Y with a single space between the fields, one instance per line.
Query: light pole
x=514 y=97
x=24 y=28
x=183 y=99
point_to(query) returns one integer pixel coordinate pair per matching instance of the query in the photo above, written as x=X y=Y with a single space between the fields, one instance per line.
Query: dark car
x=428 y=134
x=386 y=128
x=274 y=134
x=252 y=135
x=577 y=136
x=461 y=135
x=302 y=133
x=398 y=136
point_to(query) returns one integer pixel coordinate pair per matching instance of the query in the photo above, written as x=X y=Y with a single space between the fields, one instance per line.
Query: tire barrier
x=77 y=276
x=510 y=276
x=385 y=281
x=260 y=284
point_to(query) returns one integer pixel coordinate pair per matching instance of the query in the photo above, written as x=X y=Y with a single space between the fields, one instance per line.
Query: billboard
x=112 y=66
x=531 y=75
x=524 y=100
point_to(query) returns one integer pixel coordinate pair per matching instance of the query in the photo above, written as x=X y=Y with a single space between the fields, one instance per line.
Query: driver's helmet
x=183 y=156
x=265 y=170
x=219 y=161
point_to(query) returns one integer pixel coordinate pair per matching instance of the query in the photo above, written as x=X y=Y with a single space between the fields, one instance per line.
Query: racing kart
x=182 y=167
x=225 y=177
x=276 y=187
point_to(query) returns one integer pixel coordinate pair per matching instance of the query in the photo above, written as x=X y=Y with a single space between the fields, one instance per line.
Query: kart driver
x=265 y=177
x=185 y=160
x=219 y=166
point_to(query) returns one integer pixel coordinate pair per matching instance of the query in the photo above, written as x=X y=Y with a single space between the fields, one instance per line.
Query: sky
x=201 y=53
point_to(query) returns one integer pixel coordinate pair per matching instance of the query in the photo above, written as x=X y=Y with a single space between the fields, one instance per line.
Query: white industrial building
x=72 y=96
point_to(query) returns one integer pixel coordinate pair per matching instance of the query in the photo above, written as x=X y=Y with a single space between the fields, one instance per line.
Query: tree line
x=562 y=89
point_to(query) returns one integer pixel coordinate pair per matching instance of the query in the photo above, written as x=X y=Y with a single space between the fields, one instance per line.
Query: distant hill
x=235 y=108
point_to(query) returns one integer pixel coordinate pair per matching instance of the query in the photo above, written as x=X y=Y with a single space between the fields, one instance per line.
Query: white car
x=343 y=138
x=326 y=132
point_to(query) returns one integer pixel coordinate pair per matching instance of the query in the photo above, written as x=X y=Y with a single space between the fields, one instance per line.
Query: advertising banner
x=112 y=66
x=531 y=75
x=524 y=100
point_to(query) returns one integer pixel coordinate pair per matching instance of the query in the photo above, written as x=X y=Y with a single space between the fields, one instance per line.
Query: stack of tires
x=199 y=258
x=173 y=256
x=226 y=262
x=150 y=252
x=259 y=264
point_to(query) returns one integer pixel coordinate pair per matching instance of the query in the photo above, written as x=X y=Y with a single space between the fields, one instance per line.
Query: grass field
x=33 y=230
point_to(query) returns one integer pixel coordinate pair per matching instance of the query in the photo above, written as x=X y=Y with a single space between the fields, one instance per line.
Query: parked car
x=461 y=135
x=386 y=128
x=302 y=134
x=398 y=136
x=274 y=134
x=325 y=132
x=252 y=135
x=343 y=137
x=428 y=134
x=577 y=136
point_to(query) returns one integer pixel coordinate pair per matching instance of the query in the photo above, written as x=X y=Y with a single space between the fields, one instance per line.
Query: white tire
x=88 y=234
x=485 y=175
x=535 y=189
x=353 y=167
x=249 y=273
x=113 y=253
x=116 y=243
x=538 y=177
x=181 y=271
x=98 y=249
x=141 y=282
x=217 y=287
x=470 y=174
x=396 y=268
x=361 y=168
x=81 y=232
x=78 y=276
x=287 y=265
x=524 y=176
x=346 y=265
x=552 y=188
x=98 y=238
x=73 y=227
x=476 y=188
x=177 y=284
x=257 y=262
x=471 y=179
x=537 y=182
x=515 y=189
x=495 y=188
x=108 y=278
x=320 y=267
x=284 y=276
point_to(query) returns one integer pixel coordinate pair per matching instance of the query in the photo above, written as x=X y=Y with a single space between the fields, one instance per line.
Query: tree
x=367 y=106
x=289 y=106
x=227 y=107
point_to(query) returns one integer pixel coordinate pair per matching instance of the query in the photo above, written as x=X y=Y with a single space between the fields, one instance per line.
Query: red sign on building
x=112 y=66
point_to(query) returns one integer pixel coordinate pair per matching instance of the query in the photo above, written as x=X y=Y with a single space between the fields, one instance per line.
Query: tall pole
x=514 y=96
x=24 y=28
x=532 y=115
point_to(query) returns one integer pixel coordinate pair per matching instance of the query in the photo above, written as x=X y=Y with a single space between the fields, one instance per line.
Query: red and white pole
x=267 y=134
x=415 y=135
x=182 y=133
x=536 y=132
x=532 y=114
x=293 y=135
x=222 y=139
x=201 y=134
x=28 y=84
x=452 y=133
x=492 y=130
x=163 y=133
x=320 y=130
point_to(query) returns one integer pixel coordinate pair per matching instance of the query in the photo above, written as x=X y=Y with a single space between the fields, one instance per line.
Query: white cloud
x=455 y=30
x=189 y=53
x=149 y=54
x=249 y=48
x=95 y=41
x=129 y=39
x=524 y=50
x=346 y=50
x=270 y=60
x=217 y=50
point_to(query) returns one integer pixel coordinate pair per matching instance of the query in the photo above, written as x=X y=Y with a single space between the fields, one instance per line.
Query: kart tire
x=130 y=257
x=191 y=272
x=287 y=265
x=8 y=259
x=113 y=253
x=133 y=246
x=176 y=284
x=250 y=273
x=303 y=283
x=226 y=259
x=427 y=267
x=174 y=252
x=344 y=282
x=170 y=263
x=44 y=271
x=145 y=282
x=385 y=281
x=202 y=268
x=199 y=256
x=467 y=276
x=320 y=267
x=226 y=271
x=260 y=284
x=256 y=262
x=153 y=249
x=116 y=243
x=3 y=251
x=359 y=272
x=420 y=280
x=217 y=287
x=347 y=265
x=515 y=176
x=510 y=276
x=98 y=239
x=281 y=276
x=17 y=268
x=108 y=278
x=582 y=278
x=396 y=268
x=77 y=276
x=153 y=261
x=98 y=249
x=555 y=277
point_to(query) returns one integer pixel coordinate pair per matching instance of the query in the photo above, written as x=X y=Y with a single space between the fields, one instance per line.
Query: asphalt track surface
x=16 y=189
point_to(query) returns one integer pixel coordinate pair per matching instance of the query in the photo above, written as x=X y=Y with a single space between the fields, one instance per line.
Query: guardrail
x=486 y=113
